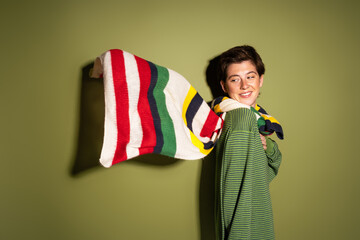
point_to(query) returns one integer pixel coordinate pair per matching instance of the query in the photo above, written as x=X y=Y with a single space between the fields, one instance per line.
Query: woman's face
x=243 y=82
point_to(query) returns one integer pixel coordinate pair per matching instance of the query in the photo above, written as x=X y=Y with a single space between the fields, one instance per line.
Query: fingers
x=263 y=141
x=97 y=70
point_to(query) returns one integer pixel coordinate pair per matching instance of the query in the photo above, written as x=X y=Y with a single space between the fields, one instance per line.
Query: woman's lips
x=245 y=95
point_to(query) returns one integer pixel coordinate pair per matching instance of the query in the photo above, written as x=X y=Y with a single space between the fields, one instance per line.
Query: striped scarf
x=267 y=124
x=152 y=109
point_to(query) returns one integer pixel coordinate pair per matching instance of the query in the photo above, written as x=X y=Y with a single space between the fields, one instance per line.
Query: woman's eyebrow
x=237 y=75
x=234 y=75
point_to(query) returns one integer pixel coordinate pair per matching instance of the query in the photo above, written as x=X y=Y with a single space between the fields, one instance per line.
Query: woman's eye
x=234 y=80
x=250 y=77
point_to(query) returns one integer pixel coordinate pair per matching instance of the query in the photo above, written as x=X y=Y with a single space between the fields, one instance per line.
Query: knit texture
x=243 y=173
x=267 y=124
x=153 y=109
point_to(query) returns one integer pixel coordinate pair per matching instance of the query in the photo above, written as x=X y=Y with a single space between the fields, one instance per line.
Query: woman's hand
x=263 y=141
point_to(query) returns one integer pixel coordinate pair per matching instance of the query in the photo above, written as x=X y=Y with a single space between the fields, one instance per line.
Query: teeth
x=245 y=94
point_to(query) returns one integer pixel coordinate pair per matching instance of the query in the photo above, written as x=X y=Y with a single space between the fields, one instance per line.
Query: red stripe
x=122 y=104
x=210 y=125
x=147 y=123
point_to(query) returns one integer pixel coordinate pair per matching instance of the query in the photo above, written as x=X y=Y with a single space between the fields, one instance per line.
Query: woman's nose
x=243 y=85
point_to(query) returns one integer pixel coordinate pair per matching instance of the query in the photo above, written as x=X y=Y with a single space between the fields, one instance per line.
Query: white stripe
x=231 y=104
x=110 y=132
x=199 y=121
x=133 y=83
x=178 y=86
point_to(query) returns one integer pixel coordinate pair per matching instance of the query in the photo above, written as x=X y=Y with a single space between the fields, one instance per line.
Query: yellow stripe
x=266 y=117
x=199 y=144
x=190 y=95
x=217 y=108
x=195 y=141
x=272 y=119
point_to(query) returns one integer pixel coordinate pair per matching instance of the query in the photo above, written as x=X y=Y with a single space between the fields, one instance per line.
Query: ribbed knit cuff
x=270 y=144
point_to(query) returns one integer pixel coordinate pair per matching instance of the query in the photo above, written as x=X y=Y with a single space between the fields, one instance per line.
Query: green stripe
x=167 y=126
x=261 y=120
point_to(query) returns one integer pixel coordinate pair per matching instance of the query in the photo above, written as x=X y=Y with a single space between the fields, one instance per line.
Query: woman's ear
x=223 y=86
x=261 y=80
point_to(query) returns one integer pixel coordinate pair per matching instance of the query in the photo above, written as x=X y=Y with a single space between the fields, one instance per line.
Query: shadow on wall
x=207 y=178
x=91 y=123
x=213 y=77
x=91 y=132
x=91 y=128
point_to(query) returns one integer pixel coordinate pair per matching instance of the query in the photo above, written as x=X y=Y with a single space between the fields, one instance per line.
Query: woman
x=160 y=112
x=247 y=161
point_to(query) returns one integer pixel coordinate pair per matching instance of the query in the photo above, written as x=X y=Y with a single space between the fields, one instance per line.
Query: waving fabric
x=152 y=109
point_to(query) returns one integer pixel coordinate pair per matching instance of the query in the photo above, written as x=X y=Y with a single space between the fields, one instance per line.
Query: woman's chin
x=249 y=103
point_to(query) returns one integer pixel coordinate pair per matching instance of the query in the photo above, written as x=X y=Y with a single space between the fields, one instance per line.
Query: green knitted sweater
x=243 y=173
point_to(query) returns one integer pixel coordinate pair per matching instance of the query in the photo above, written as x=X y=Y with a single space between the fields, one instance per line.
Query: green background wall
x=311 y=51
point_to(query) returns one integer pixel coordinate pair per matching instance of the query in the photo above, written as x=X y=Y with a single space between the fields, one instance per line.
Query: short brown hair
x=237 y=55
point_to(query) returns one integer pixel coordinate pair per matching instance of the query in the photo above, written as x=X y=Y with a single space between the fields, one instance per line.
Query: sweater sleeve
x=243 y=167
x=274 y=157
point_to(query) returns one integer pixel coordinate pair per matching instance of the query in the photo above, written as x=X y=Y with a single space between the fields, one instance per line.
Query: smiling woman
x=242 y=74
x=246 y=160
x=243 y=82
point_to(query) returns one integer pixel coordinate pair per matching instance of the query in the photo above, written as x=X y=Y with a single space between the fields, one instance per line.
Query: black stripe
x=218 y=100
x=262 y=110
x=271 y=128
x=192 y=109
x=209 y=145
x=154 y=109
